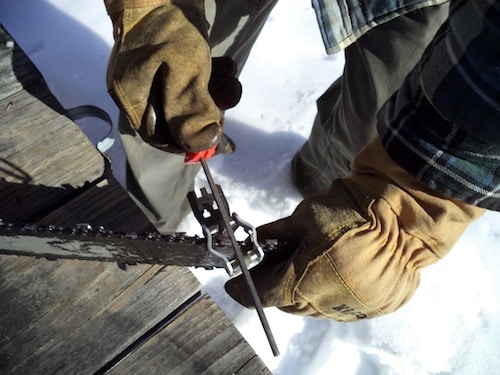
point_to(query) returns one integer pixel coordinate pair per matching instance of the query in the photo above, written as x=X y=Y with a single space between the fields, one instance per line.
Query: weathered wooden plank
x=55 y=149
x=44 y=157
x=38 y=290
x=28 y=203
x=200 y=341
x=73 y=317
x=26 y=110
x=42 y=163
x=105 y=203
x=17 y=72
x=41 y=150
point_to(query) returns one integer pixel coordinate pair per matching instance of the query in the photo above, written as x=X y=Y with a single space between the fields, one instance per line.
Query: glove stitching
x=290 y=289
x=127 y=105
x=117 y=87
x=349 y=289
x=402 y=219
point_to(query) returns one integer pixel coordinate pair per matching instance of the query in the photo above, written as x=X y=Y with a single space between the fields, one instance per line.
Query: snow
x=451 y=325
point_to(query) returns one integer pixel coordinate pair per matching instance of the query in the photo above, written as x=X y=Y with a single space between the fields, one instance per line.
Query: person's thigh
x=376 y=65
x=235 y=26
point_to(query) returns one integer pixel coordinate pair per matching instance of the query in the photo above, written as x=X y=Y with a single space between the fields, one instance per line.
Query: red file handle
x=195 y=157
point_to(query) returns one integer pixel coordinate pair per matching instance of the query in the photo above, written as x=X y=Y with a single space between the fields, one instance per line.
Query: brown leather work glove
x=160 y=71
x=355 y=251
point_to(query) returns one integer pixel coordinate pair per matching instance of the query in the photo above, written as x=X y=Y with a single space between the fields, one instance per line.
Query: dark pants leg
x=376 y=65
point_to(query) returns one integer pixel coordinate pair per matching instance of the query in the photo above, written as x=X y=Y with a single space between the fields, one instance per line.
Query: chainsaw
x=218 y=248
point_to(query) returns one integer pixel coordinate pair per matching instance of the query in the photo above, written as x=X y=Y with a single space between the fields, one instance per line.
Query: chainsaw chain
x=102 y=235
x=103 y=232
x=86 y=229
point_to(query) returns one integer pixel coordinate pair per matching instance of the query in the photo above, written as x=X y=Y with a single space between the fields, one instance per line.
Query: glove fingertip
x=238 y=291
x=277 y=230
x=226 y=146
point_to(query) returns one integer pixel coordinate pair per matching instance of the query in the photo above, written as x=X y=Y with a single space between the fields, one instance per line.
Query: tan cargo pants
x=375 y=67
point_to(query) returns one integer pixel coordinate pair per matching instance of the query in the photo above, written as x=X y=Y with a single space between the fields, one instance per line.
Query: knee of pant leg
x=317 y=163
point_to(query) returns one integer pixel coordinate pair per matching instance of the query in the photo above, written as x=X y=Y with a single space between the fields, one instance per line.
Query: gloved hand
x=355 y=251
x=160 y=70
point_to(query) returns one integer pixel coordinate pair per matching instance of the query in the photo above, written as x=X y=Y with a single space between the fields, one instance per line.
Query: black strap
x=83 y=111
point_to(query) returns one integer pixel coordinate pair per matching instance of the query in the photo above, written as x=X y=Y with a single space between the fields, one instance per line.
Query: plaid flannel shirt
x=342 y=22
x=443 y=124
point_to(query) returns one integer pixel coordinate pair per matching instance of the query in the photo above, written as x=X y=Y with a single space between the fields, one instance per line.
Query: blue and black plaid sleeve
x=443 y=124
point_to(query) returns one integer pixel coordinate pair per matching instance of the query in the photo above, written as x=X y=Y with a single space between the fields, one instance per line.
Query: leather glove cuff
x=438 y=220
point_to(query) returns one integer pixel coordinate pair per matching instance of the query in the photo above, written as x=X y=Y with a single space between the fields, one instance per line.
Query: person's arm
x=443 y=124
x=355 y=251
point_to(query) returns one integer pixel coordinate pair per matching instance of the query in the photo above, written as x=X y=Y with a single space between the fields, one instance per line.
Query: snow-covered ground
x=451 y=326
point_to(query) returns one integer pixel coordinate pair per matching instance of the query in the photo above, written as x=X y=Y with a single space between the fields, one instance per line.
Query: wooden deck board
x=190 y=344
x=55 y=153
x=109 y=197
x=72 y=317
x=83 y=321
